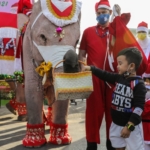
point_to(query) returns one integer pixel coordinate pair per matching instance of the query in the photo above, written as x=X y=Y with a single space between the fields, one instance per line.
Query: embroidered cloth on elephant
x=73 y=85
x=8 y=34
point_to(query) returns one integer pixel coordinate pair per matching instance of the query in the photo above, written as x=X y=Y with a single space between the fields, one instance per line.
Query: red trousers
x=97 y=106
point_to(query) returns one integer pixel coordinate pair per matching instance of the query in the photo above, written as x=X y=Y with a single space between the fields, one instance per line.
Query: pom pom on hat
x=102 y=4
x=143 y=26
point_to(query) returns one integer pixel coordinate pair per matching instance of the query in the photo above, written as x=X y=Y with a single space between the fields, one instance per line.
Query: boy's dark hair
x=133 y=55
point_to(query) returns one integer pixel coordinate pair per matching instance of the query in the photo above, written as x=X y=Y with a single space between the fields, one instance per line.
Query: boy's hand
x=86 y=68
x=125 y=133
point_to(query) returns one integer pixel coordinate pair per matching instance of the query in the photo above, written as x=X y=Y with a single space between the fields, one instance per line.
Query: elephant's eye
x=43 y=38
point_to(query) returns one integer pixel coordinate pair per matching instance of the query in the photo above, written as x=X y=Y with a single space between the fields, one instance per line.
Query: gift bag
x=72 y=85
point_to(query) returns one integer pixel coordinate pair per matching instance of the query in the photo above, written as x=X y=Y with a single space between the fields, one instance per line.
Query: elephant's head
x=53 y=29
x=52 y=35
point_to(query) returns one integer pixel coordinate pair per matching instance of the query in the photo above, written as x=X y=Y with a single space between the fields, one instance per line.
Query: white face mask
x=54 y=53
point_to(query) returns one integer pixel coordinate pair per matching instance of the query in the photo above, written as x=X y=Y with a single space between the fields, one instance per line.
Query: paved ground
x=12 y=132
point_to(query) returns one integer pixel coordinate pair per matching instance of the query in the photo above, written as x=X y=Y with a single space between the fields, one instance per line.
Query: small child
x=146 y=119
x=127 y=101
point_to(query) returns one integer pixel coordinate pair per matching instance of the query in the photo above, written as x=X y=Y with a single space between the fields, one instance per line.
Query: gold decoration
x=43 y=68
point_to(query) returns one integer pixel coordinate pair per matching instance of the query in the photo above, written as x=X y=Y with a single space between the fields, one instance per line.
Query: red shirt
x=94 y=42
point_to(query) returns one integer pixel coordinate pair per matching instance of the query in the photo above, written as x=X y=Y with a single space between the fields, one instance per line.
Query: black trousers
x=93 y=145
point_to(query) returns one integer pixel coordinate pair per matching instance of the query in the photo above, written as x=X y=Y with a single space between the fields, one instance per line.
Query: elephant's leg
x=59 y=126
x=34 y=101
x=21 y=102
x=35 y=135
x=12 y=104
x=50 y=97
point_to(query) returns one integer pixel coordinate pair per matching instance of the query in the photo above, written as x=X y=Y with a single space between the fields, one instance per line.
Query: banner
x=124 y=39
x=9 y=6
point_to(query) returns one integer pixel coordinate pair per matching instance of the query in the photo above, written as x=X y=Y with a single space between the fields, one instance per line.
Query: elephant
x=53 y=29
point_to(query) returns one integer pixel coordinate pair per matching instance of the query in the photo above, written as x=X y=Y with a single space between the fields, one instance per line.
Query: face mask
x=54 y=53
x=127 y=73
x=103 y=18
x=141 y=36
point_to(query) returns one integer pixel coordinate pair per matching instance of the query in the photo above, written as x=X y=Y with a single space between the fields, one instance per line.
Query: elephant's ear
x=22 y=19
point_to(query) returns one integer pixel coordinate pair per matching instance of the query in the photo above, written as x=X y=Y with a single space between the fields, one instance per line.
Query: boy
x=127 y=101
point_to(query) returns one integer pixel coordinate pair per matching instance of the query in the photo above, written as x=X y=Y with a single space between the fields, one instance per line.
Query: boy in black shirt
x=128 y=100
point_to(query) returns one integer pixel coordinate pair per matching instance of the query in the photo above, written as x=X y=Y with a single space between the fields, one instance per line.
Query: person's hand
x=125 y=133
x=118 y=9
x=86 y=68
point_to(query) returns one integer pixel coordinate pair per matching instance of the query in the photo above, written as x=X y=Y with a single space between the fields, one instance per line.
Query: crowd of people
x=123 y=122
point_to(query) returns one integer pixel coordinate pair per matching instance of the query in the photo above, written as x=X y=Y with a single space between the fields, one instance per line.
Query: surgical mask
x=127 y=73
x=103 y=18
x=54 y=53
x=141 y=36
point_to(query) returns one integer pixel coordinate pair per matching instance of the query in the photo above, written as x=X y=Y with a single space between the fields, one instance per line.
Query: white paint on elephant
x=8 y=32
x=60 y=21
x=61 y=5
x=54 y=53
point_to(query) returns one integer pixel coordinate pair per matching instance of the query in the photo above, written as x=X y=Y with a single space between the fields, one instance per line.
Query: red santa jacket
x=148 y=66
x=146 y=112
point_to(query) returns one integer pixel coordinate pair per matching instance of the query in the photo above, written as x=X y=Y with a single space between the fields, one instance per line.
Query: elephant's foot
x=22 y=118
x=59 y=134
x=22 y=112
x=35 y=136
x=49 y=116
x=12 y=106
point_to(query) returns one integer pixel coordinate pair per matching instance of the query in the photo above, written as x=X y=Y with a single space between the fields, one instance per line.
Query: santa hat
x=102 y=4
x=143 y=26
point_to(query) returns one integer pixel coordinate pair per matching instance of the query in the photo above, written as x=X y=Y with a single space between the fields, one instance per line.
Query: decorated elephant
x=53 y=29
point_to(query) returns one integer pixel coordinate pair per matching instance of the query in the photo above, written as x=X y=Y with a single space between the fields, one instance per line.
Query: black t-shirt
x=125 y=97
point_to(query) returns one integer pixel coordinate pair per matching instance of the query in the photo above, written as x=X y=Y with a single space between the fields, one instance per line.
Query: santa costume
x=144 y=41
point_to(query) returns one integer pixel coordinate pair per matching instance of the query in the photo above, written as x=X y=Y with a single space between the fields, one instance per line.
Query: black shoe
x=91 y=146
x=108 y=145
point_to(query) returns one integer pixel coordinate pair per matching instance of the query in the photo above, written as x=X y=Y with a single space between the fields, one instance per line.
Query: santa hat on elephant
x=142 y=26
x=102 y=4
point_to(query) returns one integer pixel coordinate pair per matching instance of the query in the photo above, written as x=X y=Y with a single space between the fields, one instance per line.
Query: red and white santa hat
x=102 y=4
x=143 y=26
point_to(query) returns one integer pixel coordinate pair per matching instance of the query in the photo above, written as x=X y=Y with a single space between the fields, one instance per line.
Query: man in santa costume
x=95 y=44
x=144 y=41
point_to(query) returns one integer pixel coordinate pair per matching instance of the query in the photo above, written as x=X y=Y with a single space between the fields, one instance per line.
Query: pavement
x=12 y=131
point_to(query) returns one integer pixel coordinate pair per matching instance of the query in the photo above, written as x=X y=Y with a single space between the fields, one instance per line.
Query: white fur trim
x=28 y=13
x=17 y=64
x=142 y=29
x=57 y=21
x=61 y=5
x=104 y=6
x=8 y=32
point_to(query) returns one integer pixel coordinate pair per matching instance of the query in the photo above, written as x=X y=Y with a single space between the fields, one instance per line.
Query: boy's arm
x=104 y=75
x=138 y=103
